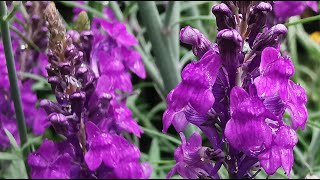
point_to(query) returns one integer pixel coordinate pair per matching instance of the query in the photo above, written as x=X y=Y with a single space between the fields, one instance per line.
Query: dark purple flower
x=193 y=160
x=195 y=88
x=115 y=152
x=247 y=130
x=51 y=161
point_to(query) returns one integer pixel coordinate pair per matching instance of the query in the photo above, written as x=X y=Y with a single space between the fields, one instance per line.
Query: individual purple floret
x=193 y=160
x=237 y=97
x=90 y=111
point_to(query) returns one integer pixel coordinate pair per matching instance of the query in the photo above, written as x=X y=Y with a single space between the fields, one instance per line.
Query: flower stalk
x=13 y=77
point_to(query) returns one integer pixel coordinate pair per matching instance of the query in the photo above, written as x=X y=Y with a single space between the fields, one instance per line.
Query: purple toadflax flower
x=89 y=112
x=237 y=97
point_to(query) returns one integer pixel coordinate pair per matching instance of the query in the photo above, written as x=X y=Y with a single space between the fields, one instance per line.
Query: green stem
x=116 y=9
x=194 y=11
x=193 y=18
x=85 y=7
x=16 y=7
x=305 y=20
x=24 y=38
x=164 y=59
x=192 y=4
x=15 y=93
x=172 y=34
x=155 y=133
x=33 y=76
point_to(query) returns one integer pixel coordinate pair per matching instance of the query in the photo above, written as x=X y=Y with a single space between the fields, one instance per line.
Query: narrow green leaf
x=8 y=156
x=16 y=170
x=32 y=141
x=13 y=142
x=154 y=155
x=85 y=7
x=305 y=20
x=16 y=7
x=193 y=18
x=153 y=133
x=190 y=4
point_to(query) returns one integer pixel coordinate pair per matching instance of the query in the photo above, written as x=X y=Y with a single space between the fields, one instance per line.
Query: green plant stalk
x=292 y=43
x=165 y=61
x=24 y=38
x=85 y=7
x=193 y=18
x=305 y=20
x=16 y=7
x=155 y=133
x=194 y=11
x=15 y=92
x=116 y=9
x=172 y=34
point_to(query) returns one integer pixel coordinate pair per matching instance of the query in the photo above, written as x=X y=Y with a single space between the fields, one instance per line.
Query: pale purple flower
x=286 y=9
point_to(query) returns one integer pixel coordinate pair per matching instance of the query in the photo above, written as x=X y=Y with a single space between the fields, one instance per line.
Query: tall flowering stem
x=237 y=93
x=6 y=39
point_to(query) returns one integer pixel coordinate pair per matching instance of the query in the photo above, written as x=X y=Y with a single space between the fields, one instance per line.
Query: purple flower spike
x=51 y=161
x=200 y=44
x=250 y=91
x=284 y=10
x=247 y=130
x=195 y=88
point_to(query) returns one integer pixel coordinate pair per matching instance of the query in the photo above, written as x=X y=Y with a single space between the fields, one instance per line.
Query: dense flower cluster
x=237 y=93
x=27 y=59
x=89 y=76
